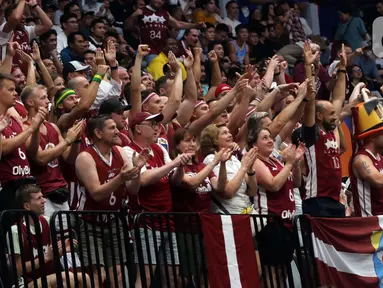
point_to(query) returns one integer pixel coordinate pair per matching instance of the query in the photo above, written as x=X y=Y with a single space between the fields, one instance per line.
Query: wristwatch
x=252 y=173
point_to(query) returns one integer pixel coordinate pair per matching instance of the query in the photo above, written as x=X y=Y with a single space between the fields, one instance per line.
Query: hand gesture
x=138 y=12
x=197 y=51
x=289 y=154
x=139 y=160
x=300 y=151
x=309 y=57
x=249 y=159
x=213 y=56
x=31 y=3
x=273 y=62
x=49 y=254
x=12 y=47
x=284 y=65
x=36 y=52
x=100 y=59
x=241 y=83
x=4 y=122
x=222 y=156
x=173 y=62
x=102 y=69
x=188 y=60
x=74 y=132
x=288 y=87
x=25 y=58
x=302 y=90
x=110 y=52
x=183 y=159
x=343 y=58
x=127 y=174
x=143 y=50
x=39 y=118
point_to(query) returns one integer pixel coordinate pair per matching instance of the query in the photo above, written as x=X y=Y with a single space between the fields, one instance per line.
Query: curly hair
x=209 y=139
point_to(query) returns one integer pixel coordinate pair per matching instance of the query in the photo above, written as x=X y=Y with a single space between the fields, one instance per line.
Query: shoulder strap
x=219 y=204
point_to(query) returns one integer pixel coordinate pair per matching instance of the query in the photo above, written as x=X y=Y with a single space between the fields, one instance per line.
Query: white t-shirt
x=231 y=24
x=240 y=201
x=62 y=41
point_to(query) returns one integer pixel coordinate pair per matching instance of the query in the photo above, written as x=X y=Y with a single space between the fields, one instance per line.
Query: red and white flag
x=230 y=251
x=349 y=251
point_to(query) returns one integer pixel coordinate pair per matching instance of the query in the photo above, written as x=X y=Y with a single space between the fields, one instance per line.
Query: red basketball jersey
x=14 y=165
x=106 y=170
x=30 y=243
x=324 y=178
x=154 y=28
x=281 y=203
x=49 y=177
x=20 y=108
x=368 y=200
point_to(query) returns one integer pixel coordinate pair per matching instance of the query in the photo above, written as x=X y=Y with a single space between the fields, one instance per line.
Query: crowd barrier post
x=96 y=239
x=30 y=245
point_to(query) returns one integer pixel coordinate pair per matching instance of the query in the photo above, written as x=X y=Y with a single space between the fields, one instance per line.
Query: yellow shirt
x=200 y=16
x=156 y=67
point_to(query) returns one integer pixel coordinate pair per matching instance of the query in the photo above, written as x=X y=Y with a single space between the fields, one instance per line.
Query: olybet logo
x=377 y=37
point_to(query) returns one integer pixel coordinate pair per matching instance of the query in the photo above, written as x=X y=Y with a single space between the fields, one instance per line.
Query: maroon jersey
x=324 y=177
x=20 y=108
x=153 y=27
x=28 y=245
x=281 y=203
x=193 y=200
x=156 y=197
x=368 y=200
x=70 y=176
x=15 y=165
x=125 y=140
x=49 y=177
x=106 y=172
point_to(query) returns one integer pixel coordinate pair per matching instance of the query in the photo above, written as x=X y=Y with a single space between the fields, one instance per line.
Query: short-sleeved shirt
x=353 y=31
x=240 y=201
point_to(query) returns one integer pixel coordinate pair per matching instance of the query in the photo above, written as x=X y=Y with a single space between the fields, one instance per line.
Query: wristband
x=113 y=68
x=341 y=71
x=34 y=6
x=97 y=78
x=77 y=141
x=252 y=173
x=305 y=100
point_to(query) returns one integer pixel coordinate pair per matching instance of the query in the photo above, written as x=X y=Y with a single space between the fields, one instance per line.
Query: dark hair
x=46 y=35
x=72 y=37
x=188 y=31
x=96 y=21
x=253 y=135
x=160 y=82
x=23 y=194
x=229 y=3
x=221 y=27
x=208 y=26
x=231 y=72
x=112 y=33
x=239 y=27
x=96 y=122
x=265 y=11
x=69 y=6
x=178 y=136
x=65 y=18
x=212 y=44
x=280 y=11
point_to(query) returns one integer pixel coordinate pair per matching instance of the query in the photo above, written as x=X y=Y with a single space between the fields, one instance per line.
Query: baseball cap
x=74 y=66
x=113 y=105
x=87 y=13
x=222 y=88
x=144 y=116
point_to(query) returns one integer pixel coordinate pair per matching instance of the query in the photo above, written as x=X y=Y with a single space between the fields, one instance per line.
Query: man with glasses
x=154 y=194
x=69 y=23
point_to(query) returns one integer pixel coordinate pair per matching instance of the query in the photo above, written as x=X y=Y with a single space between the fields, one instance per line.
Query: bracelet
x=34 y=6
x=113 y=68
x=97 y=78
x=252 y=173
x=258 y=100
x=341 y=71
x=77 y=141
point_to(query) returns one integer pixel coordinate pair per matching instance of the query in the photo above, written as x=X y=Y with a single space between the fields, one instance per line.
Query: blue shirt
x=368 y=66
x=353 y=31
x=67 y=56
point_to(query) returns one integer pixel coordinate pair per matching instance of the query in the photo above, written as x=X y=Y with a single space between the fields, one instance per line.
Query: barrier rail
x=169 y=250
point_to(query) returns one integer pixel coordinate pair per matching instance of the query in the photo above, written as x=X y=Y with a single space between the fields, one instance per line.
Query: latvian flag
x=230 y=251
x=349 y=251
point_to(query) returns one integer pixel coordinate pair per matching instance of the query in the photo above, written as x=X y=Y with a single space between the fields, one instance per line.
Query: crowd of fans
x=170 y=107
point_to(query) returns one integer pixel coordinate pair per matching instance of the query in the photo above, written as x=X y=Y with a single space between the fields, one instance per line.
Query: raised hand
x=31 y=3
x=100 y=59
x=175 y=65
x=127 y=174
x=139 y=160
x=241 y=83
x=343 y=58
x=110 y=52
x=102 y=69
x=25 y=58
x=302 y=90
x=197 y=51
x=300 y=151
x=222 y=156
x=273 y=62
x=143 y=50
x=309 y=57
x=249 y=159
x=188 y=60
x=36 y=52
x=288 y=87
x=311 y=90
x=289 y=153
x=213 y=56
x=12 y=47
x=4 y=122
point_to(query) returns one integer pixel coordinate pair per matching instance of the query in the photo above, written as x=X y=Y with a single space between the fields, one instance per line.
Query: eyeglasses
x=357 y=70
